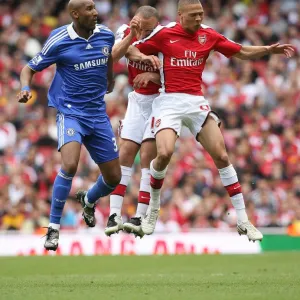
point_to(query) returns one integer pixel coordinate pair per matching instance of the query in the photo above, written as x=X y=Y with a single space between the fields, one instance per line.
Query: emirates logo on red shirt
x=202 y=39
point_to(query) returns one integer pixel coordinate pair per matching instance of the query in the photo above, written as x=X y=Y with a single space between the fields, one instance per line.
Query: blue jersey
x=80 y=82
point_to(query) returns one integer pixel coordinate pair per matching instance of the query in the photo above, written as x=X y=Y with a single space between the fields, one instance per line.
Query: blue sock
x=99 y=189
x=61 y=189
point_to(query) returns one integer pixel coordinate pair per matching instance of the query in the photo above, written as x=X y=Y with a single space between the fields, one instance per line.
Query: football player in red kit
x=135 y=129
x=183 y=49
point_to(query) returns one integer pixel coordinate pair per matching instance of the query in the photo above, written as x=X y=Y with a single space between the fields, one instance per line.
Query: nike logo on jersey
x=89 y=46
x=172 y=42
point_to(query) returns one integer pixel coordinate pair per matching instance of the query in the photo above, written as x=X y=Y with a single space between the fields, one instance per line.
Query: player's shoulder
x=162 y=29
x=62 y=30
x=207 y=29
x=104 y=29
x=124 y=28
x=56 y=37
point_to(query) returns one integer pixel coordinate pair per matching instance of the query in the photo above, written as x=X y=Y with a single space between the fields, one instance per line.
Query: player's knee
x=164 y=155
x=222 y=159
x=146 y=158
x=127 y=154
x=70 y=167
x=114 y=178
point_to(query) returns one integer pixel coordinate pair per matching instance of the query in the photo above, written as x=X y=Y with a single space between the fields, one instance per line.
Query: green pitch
x=267 y=276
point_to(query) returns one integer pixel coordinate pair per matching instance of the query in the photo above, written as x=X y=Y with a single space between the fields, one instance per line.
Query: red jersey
x=135 y=68
x=183 y=55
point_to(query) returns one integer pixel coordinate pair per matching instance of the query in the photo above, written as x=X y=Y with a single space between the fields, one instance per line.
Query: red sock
x=144 y=197
x=120 y=190
x=156 y=183
x=234 y=189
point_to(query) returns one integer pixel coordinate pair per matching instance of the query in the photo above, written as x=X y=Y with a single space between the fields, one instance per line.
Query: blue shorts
x=95 y=133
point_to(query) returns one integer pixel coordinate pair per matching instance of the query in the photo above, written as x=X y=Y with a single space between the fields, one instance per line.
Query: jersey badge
x=202 y=39
x=105 y=51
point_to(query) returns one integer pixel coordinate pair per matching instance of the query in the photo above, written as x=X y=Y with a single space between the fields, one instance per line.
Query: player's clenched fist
x=24 y=95
x=142 y=80
x=135 y=25
x=151 y=60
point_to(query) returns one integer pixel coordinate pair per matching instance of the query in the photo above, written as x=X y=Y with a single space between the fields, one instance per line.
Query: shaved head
x=191 y=14
x=74 y=5
x=84 y=16
x=182 y=3
x=147 y=12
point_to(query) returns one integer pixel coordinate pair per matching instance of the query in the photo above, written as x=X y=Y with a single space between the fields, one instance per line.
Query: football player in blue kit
x=82 y=54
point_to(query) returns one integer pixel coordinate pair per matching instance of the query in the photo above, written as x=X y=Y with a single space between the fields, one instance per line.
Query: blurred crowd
x=258 y=102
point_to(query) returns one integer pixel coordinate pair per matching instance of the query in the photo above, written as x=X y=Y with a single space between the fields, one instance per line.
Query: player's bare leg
x=148 y=153
x=105 y=184
x=70 y=154
x=212 y=140
x=165 y=144
x=127 y=152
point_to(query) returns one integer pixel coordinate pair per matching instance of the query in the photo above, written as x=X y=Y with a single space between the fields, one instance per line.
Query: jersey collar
x=73 y=34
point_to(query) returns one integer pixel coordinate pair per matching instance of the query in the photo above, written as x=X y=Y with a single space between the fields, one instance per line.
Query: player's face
x=191 y=17
x=147 y=26
x=87 y=15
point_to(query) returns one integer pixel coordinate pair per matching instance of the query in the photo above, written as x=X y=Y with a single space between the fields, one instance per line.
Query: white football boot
x=149 y=222
x=246 y=228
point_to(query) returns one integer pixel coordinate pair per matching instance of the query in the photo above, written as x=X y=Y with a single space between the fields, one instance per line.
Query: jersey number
x=115 y=144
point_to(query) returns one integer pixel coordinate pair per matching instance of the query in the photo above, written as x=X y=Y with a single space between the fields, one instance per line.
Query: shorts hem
x=217 y=121
x=105 y=161
x=165 y=129
x=148 y=139
x=130 y=140
x=58 y=149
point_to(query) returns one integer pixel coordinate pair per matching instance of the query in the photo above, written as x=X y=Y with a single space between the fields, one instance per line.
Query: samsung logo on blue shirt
x=91 y=63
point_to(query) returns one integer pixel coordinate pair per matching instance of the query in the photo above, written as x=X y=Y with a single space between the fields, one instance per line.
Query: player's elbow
x=115 y=56
x=243 y=55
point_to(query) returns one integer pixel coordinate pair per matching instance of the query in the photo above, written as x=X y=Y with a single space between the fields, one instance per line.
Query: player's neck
x=187 y=30
x=83 y=33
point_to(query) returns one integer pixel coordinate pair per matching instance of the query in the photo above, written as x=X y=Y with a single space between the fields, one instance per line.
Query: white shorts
x=174 y=110
x=136 y=126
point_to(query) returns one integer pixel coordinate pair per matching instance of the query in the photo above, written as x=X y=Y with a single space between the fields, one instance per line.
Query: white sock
x=54 y=226
x=117 y=196
x=229 y=177
x=144 y=193
x=239 y=205
x=141 y=210
x=155 y=193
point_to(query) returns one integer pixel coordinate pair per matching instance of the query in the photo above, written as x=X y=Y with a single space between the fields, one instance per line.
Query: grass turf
x=266 y=276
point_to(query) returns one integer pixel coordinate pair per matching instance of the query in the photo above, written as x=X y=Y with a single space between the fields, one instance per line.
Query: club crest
x=70 y=132
x=105 y=51
x=202 y=39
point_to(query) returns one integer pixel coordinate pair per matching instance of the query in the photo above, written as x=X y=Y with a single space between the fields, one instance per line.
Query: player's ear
x=75 y=14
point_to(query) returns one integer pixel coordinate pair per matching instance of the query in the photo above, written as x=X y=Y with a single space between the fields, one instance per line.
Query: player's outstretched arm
x=253 y=52
x=134 y=54
x=143 y=79
x=121 y=46
x=26 y=76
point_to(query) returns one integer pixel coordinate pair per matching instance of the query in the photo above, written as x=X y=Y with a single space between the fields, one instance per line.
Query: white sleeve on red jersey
x=152 y=43
x=121 y=33
x=225 y=46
